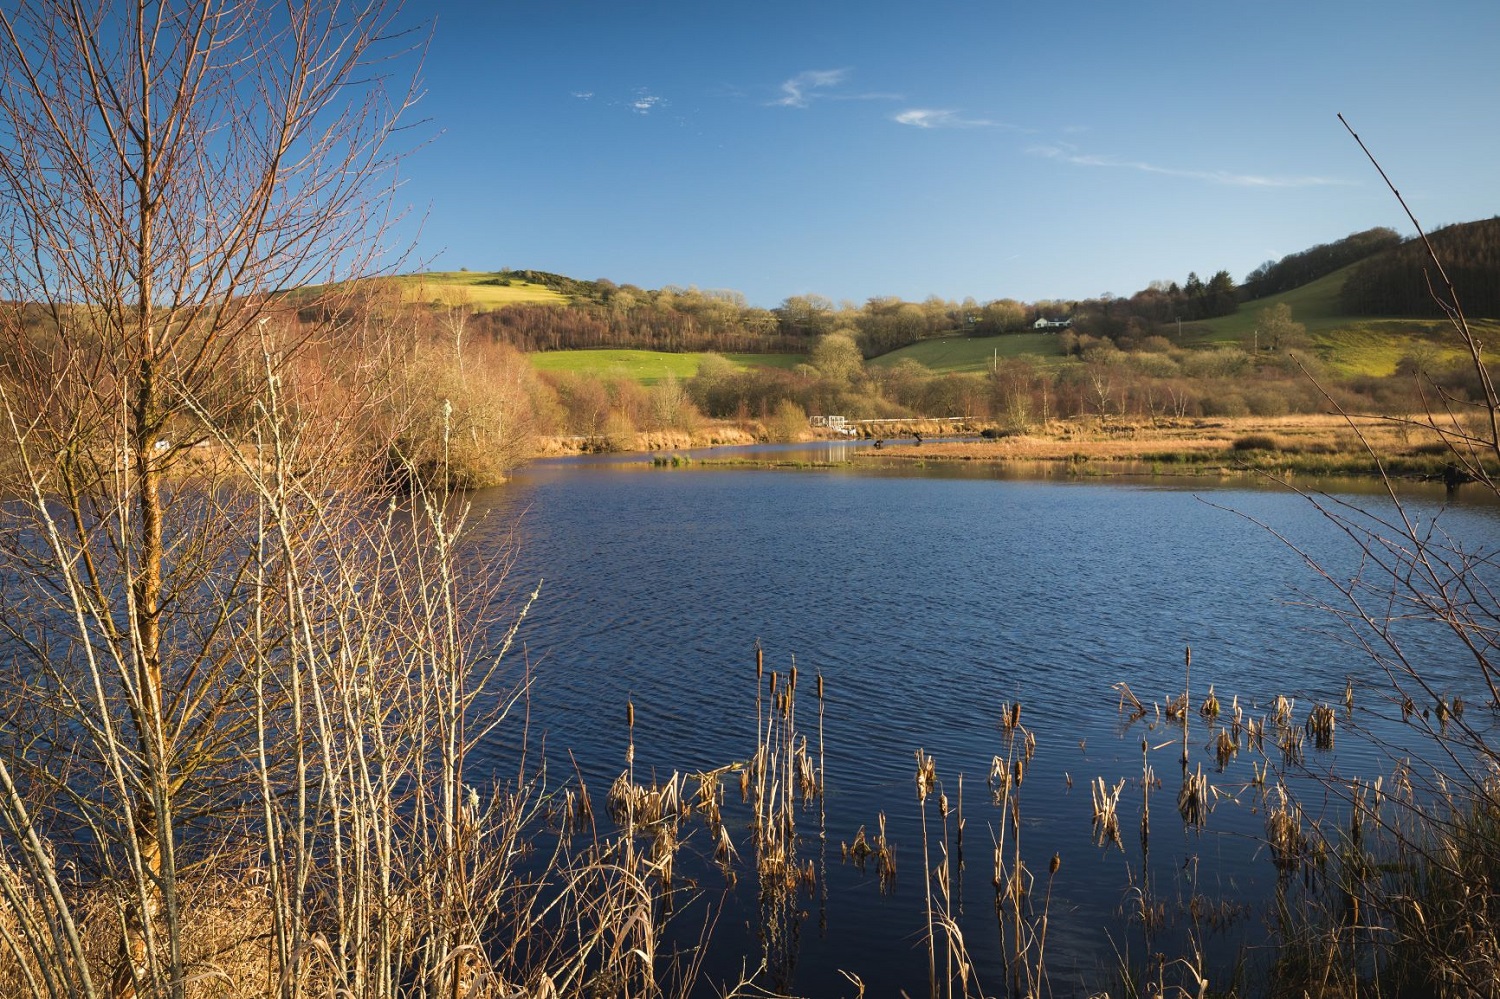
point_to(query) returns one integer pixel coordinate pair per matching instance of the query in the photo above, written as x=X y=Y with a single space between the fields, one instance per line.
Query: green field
x=1314 y=305
x=647 y=366
x=962 y=353
x=787 y=361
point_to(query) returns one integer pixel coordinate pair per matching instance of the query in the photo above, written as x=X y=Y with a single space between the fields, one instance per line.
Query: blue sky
x=1052 y=149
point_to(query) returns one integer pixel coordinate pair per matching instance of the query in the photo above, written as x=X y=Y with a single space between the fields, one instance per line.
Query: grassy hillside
x=962 y=353
x=480 y=289
x=1348 y=345
x=647 y=366
x=1314 y=305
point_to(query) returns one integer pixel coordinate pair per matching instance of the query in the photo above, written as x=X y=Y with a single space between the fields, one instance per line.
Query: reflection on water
x=861 y=458
x=927 y=597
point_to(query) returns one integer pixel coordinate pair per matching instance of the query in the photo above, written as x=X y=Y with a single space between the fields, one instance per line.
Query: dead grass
x=227 y=946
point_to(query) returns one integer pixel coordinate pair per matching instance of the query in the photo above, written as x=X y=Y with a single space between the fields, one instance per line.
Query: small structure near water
x=833 y=424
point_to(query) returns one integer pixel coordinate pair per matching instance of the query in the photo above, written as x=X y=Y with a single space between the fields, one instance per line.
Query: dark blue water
x=927 y=598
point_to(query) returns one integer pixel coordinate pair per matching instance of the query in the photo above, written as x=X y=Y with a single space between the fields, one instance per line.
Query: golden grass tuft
x=1106 y=811
x=1320 y=726
x=1193 y=801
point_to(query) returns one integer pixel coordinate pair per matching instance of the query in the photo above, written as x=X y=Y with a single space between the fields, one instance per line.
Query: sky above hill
x=1057 y=149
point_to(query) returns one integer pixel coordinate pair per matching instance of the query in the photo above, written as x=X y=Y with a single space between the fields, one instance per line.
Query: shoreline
x=1310 y=444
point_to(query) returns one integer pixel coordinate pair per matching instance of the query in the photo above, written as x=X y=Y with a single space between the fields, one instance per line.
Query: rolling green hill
x=479 y=289
x=1347 y=345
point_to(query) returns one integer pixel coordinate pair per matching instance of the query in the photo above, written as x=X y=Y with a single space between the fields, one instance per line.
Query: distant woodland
x=1296 y=269
x=444 y=360
x=1401 y=282
x=1389 y=277
x=457 y=391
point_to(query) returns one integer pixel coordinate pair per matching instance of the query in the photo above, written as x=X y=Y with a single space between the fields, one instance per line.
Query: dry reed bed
x=1093 y=440
x=1340 y=915
x=589 y=912
x=1385 y=882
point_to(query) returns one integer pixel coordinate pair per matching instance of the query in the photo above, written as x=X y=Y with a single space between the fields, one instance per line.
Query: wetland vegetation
x=285 y=714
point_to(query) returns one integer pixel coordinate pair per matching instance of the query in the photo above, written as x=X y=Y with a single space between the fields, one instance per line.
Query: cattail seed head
x=630 y=714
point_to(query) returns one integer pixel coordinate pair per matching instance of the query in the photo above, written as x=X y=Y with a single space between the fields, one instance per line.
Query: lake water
x=928 y=597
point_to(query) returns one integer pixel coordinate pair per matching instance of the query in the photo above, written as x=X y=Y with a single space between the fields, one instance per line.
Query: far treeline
x=1401 y=281
x=1391 y=278
x=458 y=399
x=444 y=366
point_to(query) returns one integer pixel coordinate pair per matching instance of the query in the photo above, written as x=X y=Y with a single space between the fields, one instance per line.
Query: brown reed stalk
x=1187 y=699
x=959 y=824
x=925 y=778
x=760 y=670
x=822 y=813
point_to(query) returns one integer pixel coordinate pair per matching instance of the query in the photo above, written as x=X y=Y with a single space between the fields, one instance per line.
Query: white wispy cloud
x=795 y=93
x=1225 y=177
x=639 y=101
x=935 y=118
x=645 y=102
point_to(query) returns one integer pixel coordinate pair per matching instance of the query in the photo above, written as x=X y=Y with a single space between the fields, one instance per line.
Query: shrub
x=1256 y=442
x=788 y=423
x=1223 y=362
x=466 y=425
x=1229 y=404
x=618 y=433
x=670 y=407
x=1267 y=401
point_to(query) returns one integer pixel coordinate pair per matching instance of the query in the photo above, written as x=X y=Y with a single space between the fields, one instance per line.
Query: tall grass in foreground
x=313 y=827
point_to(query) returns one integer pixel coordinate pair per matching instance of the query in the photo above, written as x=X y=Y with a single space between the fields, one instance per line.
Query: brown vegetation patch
x=1201 y=439
x=655 y=440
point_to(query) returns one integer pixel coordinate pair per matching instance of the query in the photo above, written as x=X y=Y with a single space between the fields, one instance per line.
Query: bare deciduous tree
x=167 y=168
